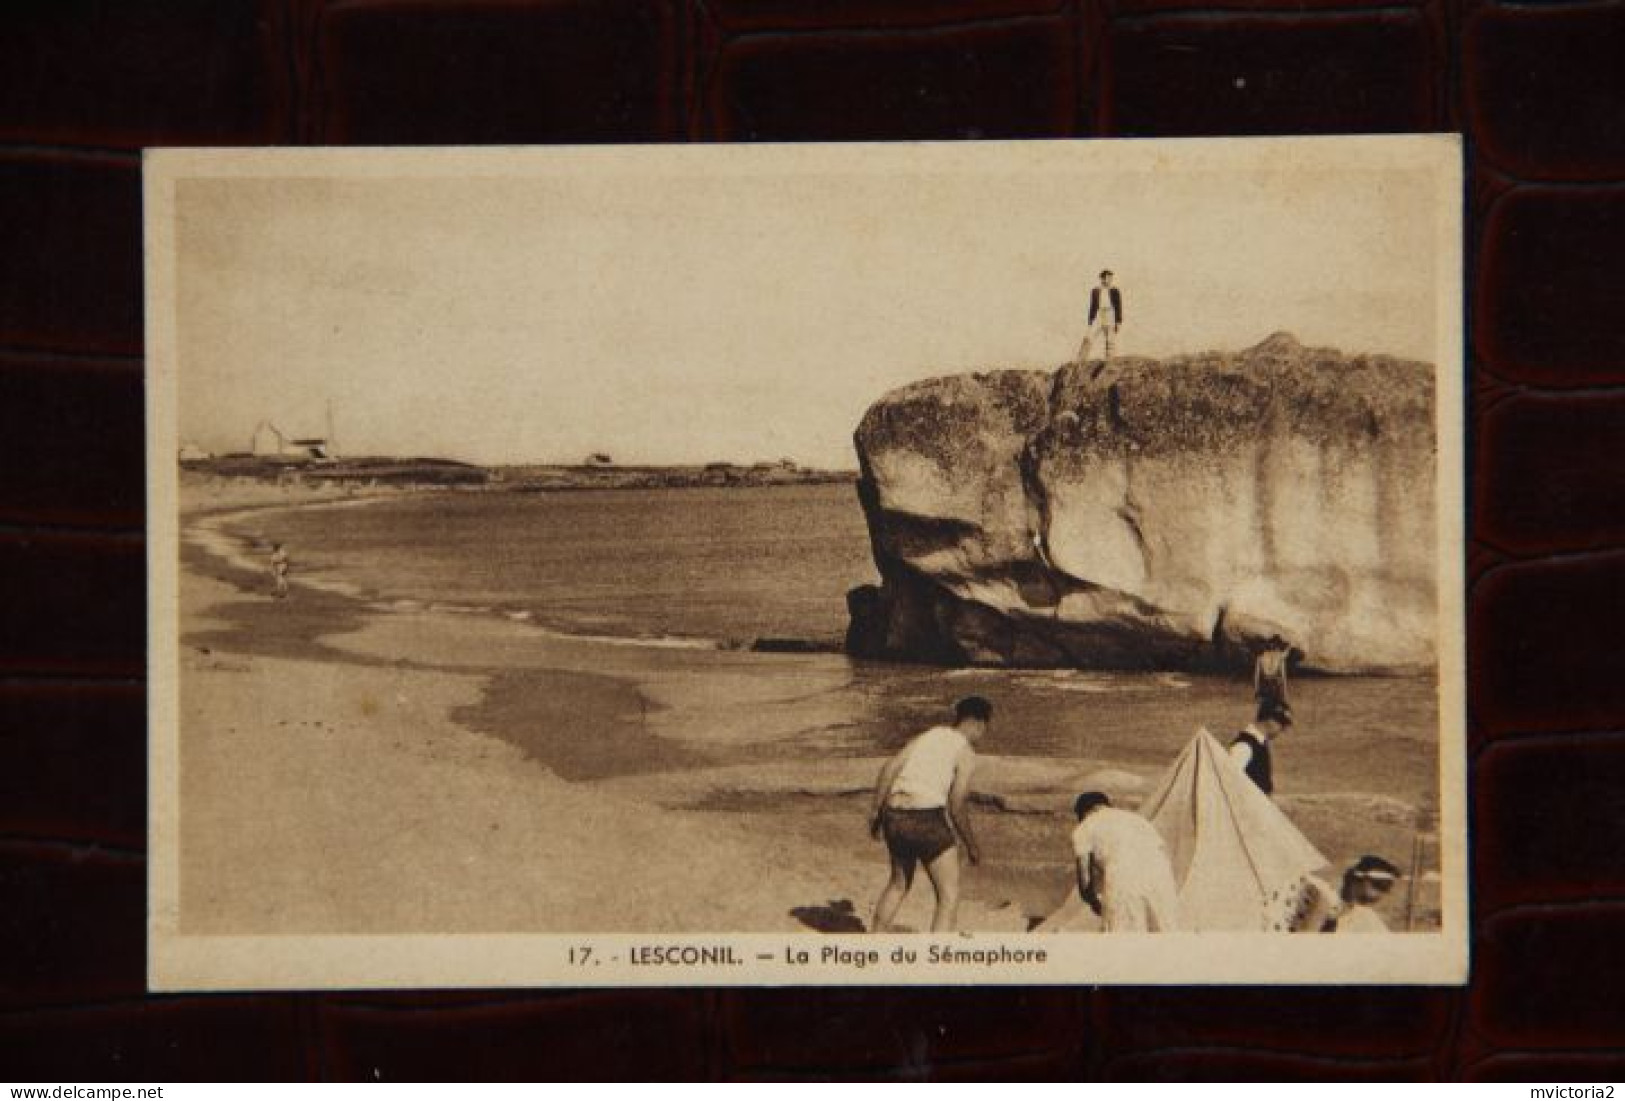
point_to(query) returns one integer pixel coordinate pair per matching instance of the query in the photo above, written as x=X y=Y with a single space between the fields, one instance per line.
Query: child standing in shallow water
x=279 y=571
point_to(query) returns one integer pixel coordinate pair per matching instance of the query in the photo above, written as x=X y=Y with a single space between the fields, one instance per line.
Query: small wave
x=1088 y=683
x=410 y=606
x=459 y=609
x=333 y=585
x=660 y=642
x=1075 y=680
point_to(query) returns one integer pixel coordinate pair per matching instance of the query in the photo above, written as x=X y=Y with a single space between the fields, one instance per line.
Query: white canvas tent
x=1239 y=861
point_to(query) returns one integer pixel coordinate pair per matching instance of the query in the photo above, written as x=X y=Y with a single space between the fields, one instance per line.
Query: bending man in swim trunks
x=920 y=809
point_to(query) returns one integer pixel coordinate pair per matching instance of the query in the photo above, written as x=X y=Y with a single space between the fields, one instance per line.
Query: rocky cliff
x=1155 y=514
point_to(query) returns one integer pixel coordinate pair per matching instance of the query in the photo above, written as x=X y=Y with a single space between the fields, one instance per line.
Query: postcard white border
x=177 y=961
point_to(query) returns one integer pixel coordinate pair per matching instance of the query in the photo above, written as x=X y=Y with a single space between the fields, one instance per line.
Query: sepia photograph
x=989 y=562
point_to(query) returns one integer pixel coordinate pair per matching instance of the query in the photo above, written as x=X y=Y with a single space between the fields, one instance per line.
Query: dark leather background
x=1540 y=91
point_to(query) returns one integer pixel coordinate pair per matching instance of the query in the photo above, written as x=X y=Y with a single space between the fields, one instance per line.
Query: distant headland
x=595 y=472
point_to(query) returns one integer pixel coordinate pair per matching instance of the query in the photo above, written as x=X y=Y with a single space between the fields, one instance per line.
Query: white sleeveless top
x=928 y=770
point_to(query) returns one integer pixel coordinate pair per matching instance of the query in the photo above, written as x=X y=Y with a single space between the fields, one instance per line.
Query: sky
x=663 y=307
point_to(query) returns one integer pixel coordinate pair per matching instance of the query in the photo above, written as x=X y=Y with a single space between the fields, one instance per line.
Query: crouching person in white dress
x=1124 y=873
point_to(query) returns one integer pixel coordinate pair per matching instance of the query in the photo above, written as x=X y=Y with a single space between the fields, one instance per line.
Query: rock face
x=1155 y=514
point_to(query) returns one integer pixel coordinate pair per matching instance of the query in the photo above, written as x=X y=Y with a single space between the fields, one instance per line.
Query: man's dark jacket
x=1117 y=304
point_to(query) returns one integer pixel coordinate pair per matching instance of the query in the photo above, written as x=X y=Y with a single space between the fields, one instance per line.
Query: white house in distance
x=271 y=442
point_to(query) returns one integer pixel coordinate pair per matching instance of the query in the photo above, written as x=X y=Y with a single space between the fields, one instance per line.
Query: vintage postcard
x=1006 y=563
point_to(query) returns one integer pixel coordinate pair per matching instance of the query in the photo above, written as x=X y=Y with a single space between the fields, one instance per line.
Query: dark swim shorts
x=917 y=834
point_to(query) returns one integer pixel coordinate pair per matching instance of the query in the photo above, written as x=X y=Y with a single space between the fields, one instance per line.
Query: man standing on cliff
x=1105 y=317
x=920 y=808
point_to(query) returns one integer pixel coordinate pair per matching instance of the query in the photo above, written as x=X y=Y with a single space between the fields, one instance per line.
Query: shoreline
x=285 y=828
x=208 y=528
x=214 y=518
x=593 y=740
x=375 y=473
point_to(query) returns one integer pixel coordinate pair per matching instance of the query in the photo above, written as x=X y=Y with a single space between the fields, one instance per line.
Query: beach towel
x=1240 y=863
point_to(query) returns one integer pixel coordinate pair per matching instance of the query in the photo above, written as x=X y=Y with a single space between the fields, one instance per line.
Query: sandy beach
x=357 y=766
x=327 y=788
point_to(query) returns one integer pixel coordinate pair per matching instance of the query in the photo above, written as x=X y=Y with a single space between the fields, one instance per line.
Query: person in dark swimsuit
x=920 y=808
x=1269 y=674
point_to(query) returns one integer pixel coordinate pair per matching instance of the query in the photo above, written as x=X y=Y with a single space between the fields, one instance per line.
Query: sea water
x=683 y=575
x=638 y=606
x=705 y=563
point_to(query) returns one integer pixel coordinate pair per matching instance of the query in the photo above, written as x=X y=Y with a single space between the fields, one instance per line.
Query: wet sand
x=349 y=767
x=330 y=788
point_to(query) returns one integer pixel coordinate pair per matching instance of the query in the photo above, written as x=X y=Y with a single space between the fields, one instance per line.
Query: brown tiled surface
x=1556 y=256
x=70 y=271
x=1377 y=1024
x=69 y=769
x=1193 y=75
x=416 y=73
x=1544 y=85
x=860 y=1031
x=871 y=15
x=122 y=75
x=1545 y=647
x=609 y=1035
x=1537 y=88
x=1540 y=488
x=1549 y=978
x=73 y=925
x=74 y=605
x=203 y=1039
x=1531 y=791
x=1562 y=1067
x=80 y=419
x=1011 y=79
x=1241 y=1065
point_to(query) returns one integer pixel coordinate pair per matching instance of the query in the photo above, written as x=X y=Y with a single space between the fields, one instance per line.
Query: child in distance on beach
x=920 y=809
x=279 y=571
